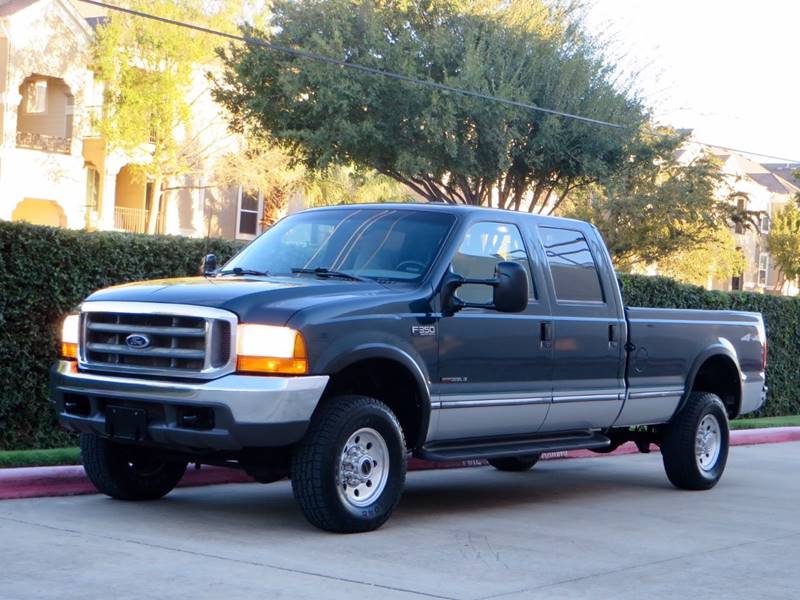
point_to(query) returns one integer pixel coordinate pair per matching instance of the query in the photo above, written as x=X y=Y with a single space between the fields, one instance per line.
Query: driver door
x=494 y=373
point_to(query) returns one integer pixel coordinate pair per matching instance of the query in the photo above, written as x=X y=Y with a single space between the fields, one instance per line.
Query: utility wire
x=401 y=77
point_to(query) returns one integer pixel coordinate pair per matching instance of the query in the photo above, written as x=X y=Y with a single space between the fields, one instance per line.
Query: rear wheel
x=694 y=445
x=128 y=472
x=515 y=463
x=349 y=470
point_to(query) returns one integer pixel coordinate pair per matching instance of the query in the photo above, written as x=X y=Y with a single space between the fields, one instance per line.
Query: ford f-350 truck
x=344 y=339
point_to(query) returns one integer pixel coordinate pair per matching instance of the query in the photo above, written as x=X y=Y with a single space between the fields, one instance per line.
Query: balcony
x=133 y=220
x=44 y=143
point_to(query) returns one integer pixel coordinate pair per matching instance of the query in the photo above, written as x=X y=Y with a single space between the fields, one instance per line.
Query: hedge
x=781 y=318
x=45 y=273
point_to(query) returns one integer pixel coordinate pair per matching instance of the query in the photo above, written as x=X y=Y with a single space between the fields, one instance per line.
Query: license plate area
x=126 y=423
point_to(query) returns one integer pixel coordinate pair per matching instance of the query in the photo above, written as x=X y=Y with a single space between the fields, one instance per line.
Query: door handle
x=613 y=335
x=545 y=334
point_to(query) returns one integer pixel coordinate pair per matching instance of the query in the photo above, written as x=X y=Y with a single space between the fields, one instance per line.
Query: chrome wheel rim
x=363 y=468
x=708 y=442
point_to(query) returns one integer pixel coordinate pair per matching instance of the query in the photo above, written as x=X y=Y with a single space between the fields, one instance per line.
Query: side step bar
x=504 y=447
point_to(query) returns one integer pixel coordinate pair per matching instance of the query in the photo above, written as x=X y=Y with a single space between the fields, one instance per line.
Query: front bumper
x=248 y=411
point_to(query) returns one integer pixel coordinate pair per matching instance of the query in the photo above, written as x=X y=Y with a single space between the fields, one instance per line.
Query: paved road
x=588 y=528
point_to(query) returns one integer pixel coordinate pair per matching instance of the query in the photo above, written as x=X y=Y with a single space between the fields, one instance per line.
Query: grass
x=71 y=456
x=39 y=458
x=790 y=421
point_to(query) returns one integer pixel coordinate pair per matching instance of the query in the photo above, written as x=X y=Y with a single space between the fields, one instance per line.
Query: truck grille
x=146 y=341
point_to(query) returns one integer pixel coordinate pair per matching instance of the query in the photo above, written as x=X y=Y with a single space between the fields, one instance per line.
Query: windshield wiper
x=323 y=272
x=241 y=271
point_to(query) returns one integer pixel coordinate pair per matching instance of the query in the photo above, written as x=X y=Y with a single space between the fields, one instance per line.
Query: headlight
x=270 y=349
x=69 y=337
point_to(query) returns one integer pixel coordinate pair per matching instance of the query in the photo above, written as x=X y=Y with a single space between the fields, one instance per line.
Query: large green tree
x=150 y=72
x=444 y=146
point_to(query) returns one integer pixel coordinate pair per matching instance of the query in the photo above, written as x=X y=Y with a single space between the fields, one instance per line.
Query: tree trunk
x=155 y=206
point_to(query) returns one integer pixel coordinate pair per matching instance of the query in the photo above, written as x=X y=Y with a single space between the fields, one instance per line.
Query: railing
x=43 y=142
x=133 y=220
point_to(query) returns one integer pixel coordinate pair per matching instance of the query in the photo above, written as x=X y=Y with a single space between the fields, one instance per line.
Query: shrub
x=44 y=274
x=781 y=317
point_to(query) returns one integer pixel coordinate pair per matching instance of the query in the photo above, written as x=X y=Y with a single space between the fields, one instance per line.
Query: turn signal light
x=69 y=337
x=270 y=349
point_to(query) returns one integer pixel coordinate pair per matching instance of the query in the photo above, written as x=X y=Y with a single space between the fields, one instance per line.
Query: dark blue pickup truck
x=344 y=339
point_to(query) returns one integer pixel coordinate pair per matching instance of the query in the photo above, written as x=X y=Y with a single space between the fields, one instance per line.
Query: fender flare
x=721 y=348
x=377 y=350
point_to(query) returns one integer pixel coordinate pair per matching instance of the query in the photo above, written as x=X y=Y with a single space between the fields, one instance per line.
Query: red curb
x=36 y=482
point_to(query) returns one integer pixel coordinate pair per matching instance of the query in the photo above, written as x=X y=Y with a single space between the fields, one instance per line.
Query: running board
x=501 y=448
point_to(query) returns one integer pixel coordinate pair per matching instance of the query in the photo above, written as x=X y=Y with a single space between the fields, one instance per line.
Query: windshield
x=387 y=244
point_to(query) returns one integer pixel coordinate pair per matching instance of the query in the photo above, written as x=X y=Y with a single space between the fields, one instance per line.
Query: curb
x=39 y=482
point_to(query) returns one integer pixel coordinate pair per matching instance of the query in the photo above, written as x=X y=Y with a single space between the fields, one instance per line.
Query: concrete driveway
x=586 y=528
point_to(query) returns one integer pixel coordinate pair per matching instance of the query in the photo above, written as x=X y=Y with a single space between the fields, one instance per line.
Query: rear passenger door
x=494 y=374
x=588 y=330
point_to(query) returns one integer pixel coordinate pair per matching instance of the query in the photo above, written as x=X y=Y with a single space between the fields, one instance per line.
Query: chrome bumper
x=247 y=410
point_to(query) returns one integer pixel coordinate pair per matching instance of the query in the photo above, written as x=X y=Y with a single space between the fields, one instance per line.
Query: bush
x=781 y=317
x=45 y=273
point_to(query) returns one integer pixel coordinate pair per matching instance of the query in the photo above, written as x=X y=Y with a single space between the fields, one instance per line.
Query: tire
x=515 y=463
x=128 y=472
x=349 y=470
x=694 y=445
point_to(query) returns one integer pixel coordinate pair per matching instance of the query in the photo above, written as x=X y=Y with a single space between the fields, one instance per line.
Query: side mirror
x=511 y=287
x=510 y=292
x=209 y=264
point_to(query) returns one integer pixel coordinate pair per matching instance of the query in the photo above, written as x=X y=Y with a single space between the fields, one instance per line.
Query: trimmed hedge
x=781 y=318
x=45 y=273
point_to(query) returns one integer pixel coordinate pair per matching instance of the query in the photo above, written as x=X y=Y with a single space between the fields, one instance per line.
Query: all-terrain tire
x=332 y=463
x=515 y=463
x=694 y=445
x=128 y=472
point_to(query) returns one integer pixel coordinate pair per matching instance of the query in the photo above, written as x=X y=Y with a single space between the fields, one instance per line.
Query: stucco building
x=55 y=169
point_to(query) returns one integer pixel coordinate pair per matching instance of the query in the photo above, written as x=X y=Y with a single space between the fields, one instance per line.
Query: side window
x=574 y=272
x=484 y=245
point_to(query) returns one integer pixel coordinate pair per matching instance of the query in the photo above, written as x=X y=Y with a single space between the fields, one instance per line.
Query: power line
x=401 y=77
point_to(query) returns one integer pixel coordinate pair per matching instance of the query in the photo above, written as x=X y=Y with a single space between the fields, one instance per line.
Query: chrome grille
x=184 y=341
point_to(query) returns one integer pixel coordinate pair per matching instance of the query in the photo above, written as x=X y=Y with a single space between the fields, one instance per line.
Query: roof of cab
x=460 y=209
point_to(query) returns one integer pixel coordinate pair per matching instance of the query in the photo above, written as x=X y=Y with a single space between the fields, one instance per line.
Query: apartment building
x=55 y=168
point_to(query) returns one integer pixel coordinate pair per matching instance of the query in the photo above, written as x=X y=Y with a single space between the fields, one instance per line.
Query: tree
x=714 y=258
x=658 y=208
x=443 y=146
x=784 y=241
x=148 y=68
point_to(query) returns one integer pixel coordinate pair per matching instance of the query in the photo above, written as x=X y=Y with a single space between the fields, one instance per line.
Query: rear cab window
x=572 y=267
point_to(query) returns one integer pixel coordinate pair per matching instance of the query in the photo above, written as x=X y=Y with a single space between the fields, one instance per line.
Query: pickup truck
x=344 y=339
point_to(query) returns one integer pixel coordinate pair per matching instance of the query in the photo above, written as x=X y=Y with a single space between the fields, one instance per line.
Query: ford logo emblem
x=138 y=341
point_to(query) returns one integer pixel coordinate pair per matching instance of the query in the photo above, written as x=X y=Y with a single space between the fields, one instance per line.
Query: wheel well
x=719 y=375
x=388 y=381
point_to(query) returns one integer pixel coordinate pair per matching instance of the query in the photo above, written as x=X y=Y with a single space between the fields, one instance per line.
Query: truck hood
x=254 y=299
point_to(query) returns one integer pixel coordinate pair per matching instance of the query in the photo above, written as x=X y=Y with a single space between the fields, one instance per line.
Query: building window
x=36 y=97
x=741 y=205
x=763 y=268
x=248 y=220
x=92 y=187
x=736 y=283
x=764 y=223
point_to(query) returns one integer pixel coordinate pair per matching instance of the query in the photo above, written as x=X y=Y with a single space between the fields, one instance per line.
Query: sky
x=729 y=70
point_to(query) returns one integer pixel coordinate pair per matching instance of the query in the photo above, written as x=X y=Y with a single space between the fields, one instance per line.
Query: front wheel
x=694 y=446
x=128 y=472
x=349 y=470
